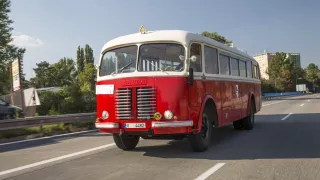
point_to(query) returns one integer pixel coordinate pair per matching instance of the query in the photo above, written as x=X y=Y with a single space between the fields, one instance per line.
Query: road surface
x=284 y=144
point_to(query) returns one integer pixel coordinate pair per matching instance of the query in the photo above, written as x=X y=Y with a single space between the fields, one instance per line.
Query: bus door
x=196 y=92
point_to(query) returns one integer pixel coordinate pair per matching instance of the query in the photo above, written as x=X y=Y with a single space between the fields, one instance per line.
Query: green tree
x=217 y=37
x=8 y=51
x=281 y=72
x=312 y=72
x=88 y=57
x=58 y=74
x=44 y=75
x=82 y=56
x=64 y=72
x=80 y=63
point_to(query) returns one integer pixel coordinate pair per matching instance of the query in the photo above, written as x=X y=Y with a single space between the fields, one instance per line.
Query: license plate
x=135 y=125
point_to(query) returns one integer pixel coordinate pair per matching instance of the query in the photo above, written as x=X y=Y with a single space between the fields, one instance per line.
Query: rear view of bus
x=142 y=89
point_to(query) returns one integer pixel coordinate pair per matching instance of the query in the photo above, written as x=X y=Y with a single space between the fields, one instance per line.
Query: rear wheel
x=201 y=141
x=249 y=121
x=238 y=125
x=126 y=142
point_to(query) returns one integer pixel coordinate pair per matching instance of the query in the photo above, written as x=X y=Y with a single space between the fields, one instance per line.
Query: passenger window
x=249 y=69
x=234 y=67
x=242 y=67
x=211 y=60
x=224 y=64
x=255 y=72
x=195 y=50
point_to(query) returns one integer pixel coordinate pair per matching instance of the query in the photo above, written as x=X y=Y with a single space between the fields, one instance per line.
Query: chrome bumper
x=188 y=123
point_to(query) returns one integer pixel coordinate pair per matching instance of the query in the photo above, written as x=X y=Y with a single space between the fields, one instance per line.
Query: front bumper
x=154 y=127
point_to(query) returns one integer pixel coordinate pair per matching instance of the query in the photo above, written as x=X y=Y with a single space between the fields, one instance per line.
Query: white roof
x=181 y=36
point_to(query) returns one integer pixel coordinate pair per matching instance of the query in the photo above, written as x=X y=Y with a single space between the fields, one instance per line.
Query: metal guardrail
x=45 y=120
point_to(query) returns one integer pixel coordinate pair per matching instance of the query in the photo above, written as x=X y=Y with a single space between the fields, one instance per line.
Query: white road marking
x=54 y=159
x=308 y=100
x=210 y=171
x=284 y=118
x=272 y=103
x=48 y=137
x=302 y=105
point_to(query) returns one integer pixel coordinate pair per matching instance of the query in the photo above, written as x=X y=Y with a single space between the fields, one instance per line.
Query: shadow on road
x=47 y=141
x=296 y=137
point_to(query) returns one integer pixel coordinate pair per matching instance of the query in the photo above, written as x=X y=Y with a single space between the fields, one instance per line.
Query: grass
x=46 y=130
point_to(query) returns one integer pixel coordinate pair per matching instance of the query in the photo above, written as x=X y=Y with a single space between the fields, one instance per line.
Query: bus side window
x=195 y=50
x=234 y=67
x=224 y=64
x=255 y=72
x=249 y=69
x=242 y=67
x=211 y=60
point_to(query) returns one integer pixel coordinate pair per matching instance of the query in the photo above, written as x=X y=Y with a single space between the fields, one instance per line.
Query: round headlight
x=168 y=114
x=105 y=114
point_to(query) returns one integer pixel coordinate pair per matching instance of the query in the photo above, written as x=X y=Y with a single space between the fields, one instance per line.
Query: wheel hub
x=204 y=127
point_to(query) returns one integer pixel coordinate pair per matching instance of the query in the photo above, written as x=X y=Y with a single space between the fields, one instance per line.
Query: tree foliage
x=312 y=72
x=281 y=71
x=217 y=37
x=75 y=79
x=8 y=52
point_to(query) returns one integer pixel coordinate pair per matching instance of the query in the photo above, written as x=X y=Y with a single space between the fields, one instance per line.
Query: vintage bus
x=173 y=84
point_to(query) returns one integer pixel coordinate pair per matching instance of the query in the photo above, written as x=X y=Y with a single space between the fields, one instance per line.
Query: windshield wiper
x=121 y=69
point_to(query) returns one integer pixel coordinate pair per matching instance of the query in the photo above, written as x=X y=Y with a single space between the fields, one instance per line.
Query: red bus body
x=128 y=94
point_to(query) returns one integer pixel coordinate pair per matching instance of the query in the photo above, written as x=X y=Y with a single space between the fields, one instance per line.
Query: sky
x=51 y=30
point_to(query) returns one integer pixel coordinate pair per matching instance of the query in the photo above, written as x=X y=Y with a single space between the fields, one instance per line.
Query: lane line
x=273 y=103
x=54 y=159
x=210 y=171
x=302 y=105
x=48 y=137
x=286 y=116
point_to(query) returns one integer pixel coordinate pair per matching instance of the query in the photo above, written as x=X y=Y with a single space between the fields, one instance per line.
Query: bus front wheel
x=201 y=141
x=126 y=142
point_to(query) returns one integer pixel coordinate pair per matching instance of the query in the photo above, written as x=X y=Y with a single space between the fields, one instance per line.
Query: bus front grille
x=146 y=103
x=123 y=103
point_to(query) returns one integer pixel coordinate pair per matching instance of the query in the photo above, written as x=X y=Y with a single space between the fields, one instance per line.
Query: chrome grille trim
x=123 y=103
x=146 y=103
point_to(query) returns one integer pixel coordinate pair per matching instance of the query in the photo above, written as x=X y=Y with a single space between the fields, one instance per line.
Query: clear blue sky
x=52 y=29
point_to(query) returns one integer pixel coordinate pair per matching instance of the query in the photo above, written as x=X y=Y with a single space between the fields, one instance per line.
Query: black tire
x=126 y=142
x=238 y=125
x=249 y=121
x=201 y=141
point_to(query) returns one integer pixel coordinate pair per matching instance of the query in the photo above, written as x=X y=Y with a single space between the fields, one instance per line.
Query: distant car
x=8 y=111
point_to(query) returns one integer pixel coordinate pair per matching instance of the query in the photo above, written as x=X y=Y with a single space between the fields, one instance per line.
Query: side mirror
x=190 y=78
x=193 y=58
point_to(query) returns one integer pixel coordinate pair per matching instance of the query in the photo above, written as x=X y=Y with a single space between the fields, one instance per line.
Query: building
x=264 y=60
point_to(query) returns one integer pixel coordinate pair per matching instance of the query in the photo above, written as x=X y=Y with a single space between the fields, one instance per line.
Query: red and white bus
x=173 y=84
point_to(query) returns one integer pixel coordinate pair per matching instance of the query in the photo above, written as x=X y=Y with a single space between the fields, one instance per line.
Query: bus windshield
x=161 y=57
x=120 y=60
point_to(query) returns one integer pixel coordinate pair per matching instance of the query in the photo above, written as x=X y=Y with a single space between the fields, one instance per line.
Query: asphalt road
x=284 y=144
